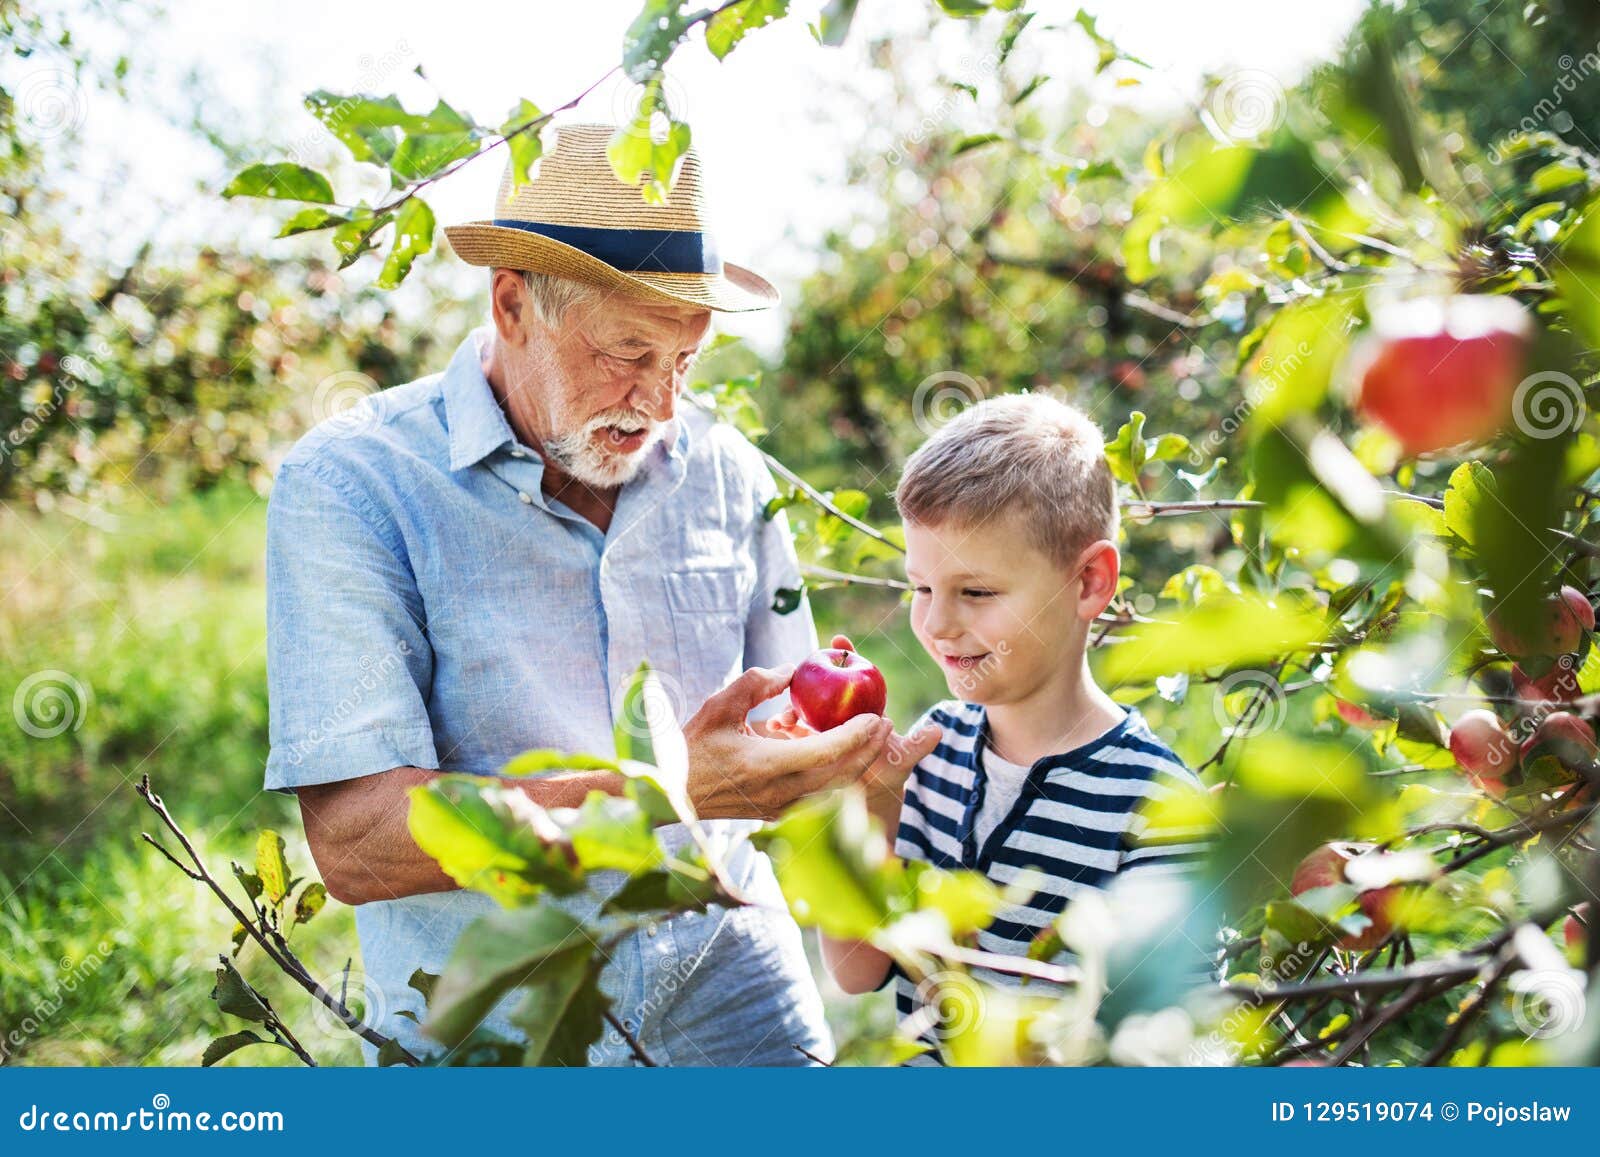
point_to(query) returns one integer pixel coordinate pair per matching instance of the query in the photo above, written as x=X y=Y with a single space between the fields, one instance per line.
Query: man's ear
x=1101 y=567
x=508 y=302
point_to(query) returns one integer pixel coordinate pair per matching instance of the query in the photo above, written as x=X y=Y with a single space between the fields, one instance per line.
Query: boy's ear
x=1100 y=567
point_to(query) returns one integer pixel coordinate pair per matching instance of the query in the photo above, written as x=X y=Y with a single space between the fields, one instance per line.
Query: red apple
x=1557 y=685
x=1442 y=371
x=1325 y=867
x=1567 y=615
x=1483 y=749
x=1563 y=735
x=1356 y=715
x=834 y=685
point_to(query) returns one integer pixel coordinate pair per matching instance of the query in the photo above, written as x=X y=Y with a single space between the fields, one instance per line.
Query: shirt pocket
x=708 y=620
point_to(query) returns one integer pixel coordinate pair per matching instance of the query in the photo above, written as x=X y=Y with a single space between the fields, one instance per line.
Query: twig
x=278 y=953
x=811 y=1056
x=634 y=1046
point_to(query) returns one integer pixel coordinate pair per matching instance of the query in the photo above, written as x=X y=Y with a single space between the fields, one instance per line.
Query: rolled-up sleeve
x=348 y=661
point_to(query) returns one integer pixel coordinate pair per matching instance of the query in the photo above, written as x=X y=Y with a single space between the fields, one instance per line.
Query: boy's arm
x=855 y=965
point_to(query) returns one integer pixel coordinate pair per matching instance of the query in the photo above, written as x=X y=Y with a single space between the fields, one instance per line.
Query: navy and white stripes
x=1076 y=825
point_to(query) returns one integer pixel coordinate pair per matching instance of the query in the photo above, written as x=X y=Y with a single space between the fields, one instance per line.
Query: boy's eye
x=920 y=590
x=974 y=593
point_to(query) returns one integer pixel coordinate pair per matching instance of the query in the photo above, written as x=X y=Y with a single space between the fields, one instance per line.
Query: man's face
x=613 y=370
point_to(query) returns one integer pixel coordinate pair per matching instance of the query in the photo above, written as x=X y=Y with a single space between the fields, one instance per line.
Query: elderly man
x=474 y=565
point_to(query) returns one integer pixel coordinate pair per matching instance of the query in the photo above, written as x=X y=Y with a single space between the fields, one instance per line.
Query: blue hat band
x=632 y=250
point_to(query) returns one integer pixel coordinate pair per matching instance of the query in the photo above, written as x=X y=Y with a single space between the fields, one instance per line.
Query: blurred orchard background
x=1175 y=213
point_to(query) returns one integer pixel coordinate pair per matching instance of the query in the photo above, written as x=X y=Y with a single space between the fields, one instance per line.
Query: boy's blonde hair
x=1032 y=456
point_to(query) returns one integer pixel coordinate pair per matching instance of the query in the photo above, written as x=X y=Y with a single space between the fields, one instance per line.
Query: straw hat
x=576 y=219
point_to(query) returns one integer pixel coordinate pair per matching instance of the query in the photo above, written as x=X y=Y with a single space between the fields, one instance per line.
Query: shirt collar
x=478 y=425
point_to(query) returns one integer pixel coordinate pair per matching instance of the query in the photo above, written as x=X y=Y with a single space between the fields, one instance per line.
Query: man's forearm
x=360 y=834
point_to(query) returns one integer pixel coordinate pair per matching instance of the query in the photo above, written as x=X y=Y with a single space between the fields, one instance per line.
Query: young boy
x=1010 y=517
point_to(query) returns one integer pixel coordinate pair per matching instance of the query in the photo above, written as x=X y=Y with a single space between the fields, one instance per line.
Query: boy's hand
x=885 y=780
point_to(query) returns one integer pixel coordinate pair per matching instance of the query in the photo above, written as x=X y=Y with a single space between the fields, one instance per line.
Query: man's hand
x=737 y=773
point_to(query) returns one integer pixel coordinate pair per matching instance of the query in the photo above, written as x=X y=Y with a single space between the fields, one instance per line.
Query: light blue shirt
x=429 y=607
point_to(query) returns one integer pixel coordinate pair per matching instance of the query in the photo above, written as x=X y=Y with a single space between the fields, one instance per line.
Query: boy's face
x=998 y=615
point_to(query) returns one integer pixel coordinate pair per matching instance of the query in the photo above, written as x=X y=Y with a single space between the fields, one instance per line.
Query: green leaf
x=356 y=236
x=967 y=900
x=313 y=897
x=423 y=982
x=976 y=141
x=729 y=26
x=1221 y=632
x=1125 y=452
x=786 y=600
x=271 y=867
x=1109 y=52
x=308 y=220
x=1577 y=275
x=226 y=1046
x=536 y=762
x=413 y=236
x=834 y=874
x=235 y=997
x=422 y=155
x=491 y=838
x=664 y=890
x=527 y=145
x=611 y=832
x=249 y=881
x=391 y=1052
x=833 y=25
x=493 y=955
x=283 y=182
x=363 y=124
x=564 y=1010
x=638 y=158
x=653 y=37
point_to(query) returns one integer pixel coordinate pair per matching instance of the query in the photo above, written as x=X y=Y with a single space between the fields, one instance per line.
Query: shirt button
x=518 y=454
x=526 y=497
x=650 y=930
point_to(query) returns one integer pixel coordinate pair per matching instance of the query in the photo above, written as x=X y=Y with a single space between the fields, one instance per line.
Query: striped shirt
x=1076 y=826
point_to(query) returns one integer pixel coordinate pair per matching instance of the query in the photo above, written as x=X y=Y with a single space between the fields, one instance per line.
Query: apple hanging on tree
x=1437 y=372
x=1483 y=749
x=1324 y=868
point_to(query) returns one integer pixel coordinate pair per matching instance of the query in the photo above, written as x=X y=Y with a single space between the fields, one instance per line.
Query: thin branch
x=279 y=953
x=634 y=1046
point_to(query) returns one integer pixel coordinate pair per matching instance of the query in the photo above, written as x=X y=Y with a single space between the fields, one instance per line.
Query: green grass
x=108 y=951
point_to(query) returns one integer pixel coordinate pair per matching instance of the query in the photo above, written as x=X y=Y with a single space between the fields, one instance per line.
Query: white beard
x=585 y=454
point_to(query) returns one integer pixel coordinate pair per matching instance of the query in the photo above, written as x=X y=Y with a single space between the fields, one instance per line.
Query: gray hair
x=553 y=295
x=1027 y=455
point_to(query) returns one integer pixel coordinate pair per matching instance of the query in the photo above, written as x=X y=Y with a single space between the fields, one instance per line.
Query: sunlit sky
x=773 y=123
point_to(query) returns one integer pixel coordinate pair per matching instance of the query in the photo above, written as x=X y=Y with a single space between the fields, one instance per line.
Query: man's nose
x=655 y=394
